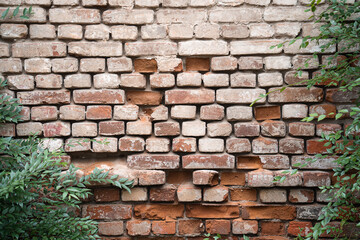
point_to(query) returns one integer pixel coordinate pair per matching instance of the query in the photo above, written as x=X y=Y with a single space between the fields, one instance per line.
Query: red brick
x=205 y=177
x=267 y=112
x=323 y=109
x=159 y=211
x=164 y=193
x=98 y=112
x=243 y=194
x=275 y=161
x=178 y=177
x=249 y=162
x=316 y=179
x=153 y=161
x=264 y=145
x=223 y=161
x=300 y=129
x=313 y=146
x=269 y=212
x=99 y=96
x=233 y=178
x=223 y=63
x=111 y=228
x=72 y=112
x=212 y=211
x=218 y=226
x=106 y=194
x=7 y=130
x=260 y=178
x=190 y=227
x=145 y=65
x=107 y=212
x=163 y=227
x=296 y=95
x=272 y=228
x=291 y=145
x=249 y=129
x=212 y=112
x=39 y=49
x=25 y=114
x=44 y=97
x=291 y=180
x=144 y=98
x=111 y=128
x=301 y=195
x=184 y=144
x=131 y=144
x=44 y=113
x=296 y=227
x=191 y=96
x=240 y=226
x=138 y=227
x=77 y=145
x=216 y=194
x=197 y=64
x=238 y=145
x=151 y=177
x=56 y=129
x=327 y=128
x=167 y=129
x=60 y=15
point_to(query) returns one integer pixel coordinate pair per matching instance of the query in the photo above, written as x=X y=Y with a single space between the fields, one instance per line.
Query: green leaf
x=5 y=13
x=16 y=11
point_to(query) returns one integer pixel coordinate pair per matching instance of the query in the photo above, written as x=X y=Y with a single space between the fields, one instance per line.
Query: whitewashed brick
x=147 y=3
x=305 y=62
x=65 y=2
x=107 y=144
x=223 y=63
x=261 y=30
x=219 y=129
x=188 y=79
x=239 y=113
x=126 y=112
x=139 y=128
x=37 y=65
x=239 y=95
x=278 y=62
x=194 y=128
x=287 y=29
x=197 y=47
x=81 y=15
x=122 y=64
x=235 y=31
x=255 y=47
x=157 y=145
x=51 y=81
x=258 y=2
x=10 y=65
x=183 y=112
x=181 y=31
x=121 y=3
x=191 y=16
x=21 y=82
x=202 y=3
x=162 y=80
x=211 y=145
x=84 y=129
x=294 y=111
x=270 y=79
x=153 y=32
x=77 y=81
x=207 y=31
x=216 y=80
x=124 y=32
x=95 y=49
x=278 y=14
x=286 y=2
x=169 y=64
x=63 y=65
x=97 y=32
x=106 y=80
x=43 y=31
x=250 y=63
x=311 y=48
x=311 y=29
x=70 y=31
x=150 y=48
x=133 y=80
x=243 y=79
x=127 y=16
x=96 y=65
x=175 y=3
x=242 y=15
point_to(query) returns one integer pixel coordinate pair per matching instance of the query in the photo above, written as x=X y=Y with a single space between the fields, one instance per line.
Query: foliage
x=340 y=25
x=37 y=198
x=26 y=13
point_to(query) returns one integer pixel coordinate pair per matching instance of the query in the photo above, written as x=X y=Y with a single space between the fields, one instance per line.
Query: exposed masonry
x=168 y=83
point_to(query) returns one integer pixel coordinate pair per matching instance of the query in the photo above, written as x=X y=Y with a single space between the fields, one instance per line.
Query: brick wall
x=168 y=83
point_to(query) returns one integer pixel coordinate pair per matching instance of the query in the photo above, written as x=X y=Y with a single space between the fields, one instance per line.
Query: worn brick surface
x=159 y=91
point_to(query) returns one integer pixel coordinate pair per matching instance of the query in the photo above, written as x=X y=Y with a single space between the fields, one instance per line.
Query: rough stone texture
x=159 y=91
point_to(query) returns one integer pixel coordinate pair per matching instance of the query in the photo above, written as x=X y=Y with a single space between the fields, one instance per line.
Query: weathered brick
x=216 y=80
x=99 y=96
x=98 y=112
x=269 y=212
x=138 y=194
x=301 y=196
x=7 y=130
x=111 y=128
x=288 y=29
x=106 y=194
x=153 y=161
x=124 y=32
x=260 y=178
x=248 y=129
x=271 y=128
x=211 y=112
x=57 y=129
x=278 y=14
x=151 y=177
x=29 y=128
x=211 y=145
x=126 y=112
x=261 y=30
x=162 y=80
x=223 y=161
x=190 y=227
x=327 y=128
x=150 y=48
x=157 y=113
x=37 y=65
x=181 y=16
x=194 y=128
x=72 y=112
x=39 y=2
x=25 y=114
x=258 y=2
x=270 y=79
x=316 y=179
x=84 y=129
x=164 y=227
x=249 y=63
x=77 y=81
x=38 y=15
x=157 y=145
x=121 y=3
x=189 y=193
x=216 y=194
x=181 y=31
x=206 y=47
x=167 y=129
x=77 y=145
x=254 y=47
x=294 y=111
x=175 y=3
x=13 y=31
x=207 y=31
x=20 y=82
x=237 y=31
x=4 y=50
x=239 y=95
x=153 y=32
x=133 y=80
x=63 y=15
x=240 y=226
x=323 y=109
x=300 y=129
x=107 y=212
x=218 y=226
x=64 y=65
x=241 y=79
x=305 y=62
x=97 y=32
x=188 y=79
x=121 y=64
x=238 y=145
x=158 y=211
x=223 y=63
x=126 y=16
x=106 y=80
x=43 y=31
x=95 y=49
x=239 y=113
x=44 y=97
x=192 y=96
x=169 y=64
x=299 y=228
x=311 y=48
x=144 y=97
x=242 y=15
x=70 y=31
x=139 y=127
x=272 y=228
x=272 y=195
x=165 y=193
x=296 y=94
x=10 y=65
x=311 y=212
x=338 y=96
x=220 y=129
x=291 y=180
x=314 y=146
x=249 y=162
x=44 y=113
x=95 y=65
x=145 y=65
x=291 y=145
x=233 y=178
x=184 y=145
x=111 y=228
x=197 y=64
x=131 y=144
x=293 y=77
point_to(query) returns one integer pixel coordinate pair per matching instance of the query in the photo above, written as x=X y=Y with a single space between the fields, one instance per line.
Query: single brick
x=157 y=145
x=273 y=196
x=77 y=81
x=139 y=128
x=250 y=63
x=65 y=65
x=111 y=128
x=57 y=129
x=44 y=97
x=240 y=226
x=261 y=30
x=243 y=194
x=248 y=14
x=7 y=130
x=248 y=129
x=203 y=47
x=43 y=31
x=291 y=145
x=290 y=111
x=323 y=109
x=159 y=113
x=99 y=96
x=299 y=228
x=159 y=211
x=20 y=82
x=270 y=79
x=97 y=32
x=44 y=113
x=248 y=47
x=189 y=193
x=301 y=129
x=84 y=129
x=272 y=228
x=150 y=49
x=260 y=178
x=70 y=31
x=144 y=98
x=95 y=65
x=77 y=144
x=153 y=32
x=106 y=194
x=212 y=112
x=194 y=128
x=167 y=129
x=107 y=212
x=188 y=79
x=124 y=32
x=184 y=145
x=138 y=194
x=13 y=31
x=223 y=63
x=37 y=65
x=39 y=49
x=163 y=227
x=106 y=80
x=223 y=161
x=72 y=112
x=241 y=79
x=220 y=129
x=190 y=16
x=181 y=31
x=128 y=16
x=301 y=196
x=216 y=194
x=232 y=178
x=216 y=80
x=153 y=161
x=111 y=228
x=238 y=145
x=316 y=179
x=29 y=128
x=211 y=145
x=151 y=177
x=189 y=96
x=121 y=64
x=269 y=212
x=165 y=193
x=98 y=112
x=169 y=64
x=234 y=96
x=239 y=113
x=236 y=31
x=138 y=227
x=131 y=144
x=218 y=226
x=145 y=65
x=212 y=211
x=95 y=49
x=133 y=80
x=84 y=16
x=190 y=227
x=207 y=31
